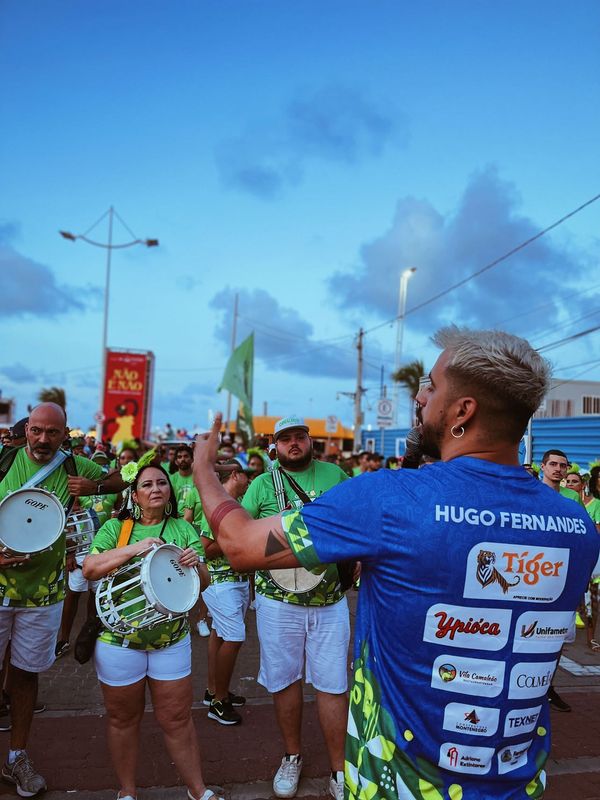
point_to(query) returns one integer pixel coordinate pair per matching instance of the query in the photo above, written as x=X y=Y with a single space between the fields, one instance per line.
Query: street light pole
x=109 y=247
x=404 y=278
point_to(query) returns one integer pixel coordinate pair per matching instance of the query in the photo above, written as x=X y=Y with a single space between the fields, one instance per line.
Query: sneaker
x=208 y=795
x=24 y=776
x=222 y=711
x=287 y=777
x=202 y=628
x=336 y=785
x=556 y=700
x=4 y=717
x=234 y=699
x=61 y=648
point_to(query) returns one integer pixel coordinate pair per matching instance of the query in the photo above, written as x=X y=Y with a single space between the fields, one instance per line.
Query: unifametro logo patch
x=521 y=720
x=473 y=676
x=470 y=719
x=460 y=758
x=467 y=627
x=513 y=757
x=530 y=679
x=498 y=571
x=542 y=631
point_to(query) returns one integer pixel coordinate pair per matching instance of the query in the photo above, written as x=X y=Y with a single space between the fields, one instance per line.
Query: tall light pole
x=404 y=279
x=109 y=247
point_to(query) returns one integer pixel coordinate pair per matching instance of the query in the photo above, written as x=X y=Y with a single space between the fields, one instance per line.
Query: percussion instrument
x=80 y=530
x=31 y=521
x=297 y=580
x=148 y=591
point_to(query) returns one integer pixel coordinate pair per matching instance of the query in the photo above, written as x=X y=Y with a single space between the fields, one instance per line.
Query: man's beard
x=42 y=454
x=297 y=464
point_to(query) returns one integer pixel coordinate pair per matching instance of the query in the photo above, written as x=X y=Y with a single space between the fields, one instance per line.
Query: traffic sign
x=331 y=424
x=385 y=413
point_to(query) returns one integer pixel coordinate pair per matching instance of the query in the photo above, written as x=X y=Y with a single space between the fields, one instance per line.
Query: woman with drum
x=159 y=656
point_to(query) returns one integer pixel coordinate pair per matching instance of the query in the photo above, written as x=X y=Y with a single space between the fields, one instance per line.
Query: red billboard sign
x=127 y=403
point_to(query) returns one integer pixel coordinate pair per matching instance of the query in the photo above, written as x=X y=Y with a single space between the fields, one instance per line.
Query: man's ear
x=466 y=408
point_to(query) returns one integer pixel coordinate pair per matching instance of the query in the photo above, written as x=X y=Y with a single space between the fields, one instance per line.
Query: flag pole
x=233 y=337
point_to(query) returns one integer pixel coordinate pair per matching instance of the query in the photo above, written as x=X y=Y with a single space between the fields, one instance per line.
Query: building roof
x=266 y=426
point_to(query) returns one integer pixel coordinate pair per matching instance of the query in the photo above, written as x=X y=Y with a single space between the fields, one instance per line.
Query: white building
x=571 y=399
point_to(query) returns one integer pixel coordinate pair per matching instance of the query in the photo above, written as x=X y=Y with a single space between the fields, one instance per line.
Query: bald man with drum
x=302 y=617
x=36 y=482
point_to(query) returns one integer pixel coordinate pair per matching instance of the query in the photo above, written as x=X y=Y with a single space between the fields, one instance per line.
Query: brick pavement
x=69 y=743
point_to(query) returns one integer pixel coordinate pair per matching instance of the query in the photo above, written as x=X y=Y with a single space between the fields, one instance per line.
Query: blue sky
x=301 y=154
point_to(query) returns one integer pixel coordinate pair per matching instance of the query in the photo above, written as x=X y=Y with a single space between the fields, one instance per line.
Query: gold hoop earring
x=168 y=509
x=457 y=435
x=137 y=511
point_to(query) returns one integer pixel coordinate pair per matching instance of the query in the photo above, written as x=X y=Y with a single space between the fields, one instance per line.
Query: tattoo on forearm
x=276 y=543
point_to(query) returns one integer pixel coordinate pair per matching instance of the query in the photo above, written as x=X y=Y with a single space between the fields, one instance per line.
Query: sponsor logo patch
x=472 y=720
x=542 y=631
x=500 y=571
x=473 y=676
x=530 y=679
x=466 y=627
x=460 y=758
x=521 y=720
x=512 y=757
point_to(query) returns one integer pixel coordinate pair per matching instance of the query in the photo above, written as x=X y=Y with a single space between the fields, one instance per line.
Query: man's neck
x=185 y=472
x=298 y=469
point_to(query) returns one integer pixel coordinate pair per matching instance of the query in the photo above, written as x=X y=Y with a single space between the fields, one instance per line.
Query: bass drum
x=297 y=580
x=31 y=521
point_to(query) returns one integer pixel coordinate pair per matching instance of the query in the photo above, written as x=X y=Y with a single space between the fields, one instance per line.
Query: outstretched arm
x=247 y=543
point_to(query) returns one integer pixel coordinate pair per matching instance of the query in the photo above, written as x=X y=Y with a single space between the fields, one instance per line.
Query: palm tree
x=409 y=377
x=55 y=394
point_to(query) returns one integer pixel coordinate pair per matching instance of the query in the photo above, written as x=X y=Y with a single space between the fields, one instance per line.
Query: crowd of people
x=469 y=569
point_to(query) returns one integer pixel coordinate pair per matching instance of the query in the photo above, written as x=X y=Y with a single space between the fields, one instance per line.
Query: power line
x=489 y=266
x=567 y=339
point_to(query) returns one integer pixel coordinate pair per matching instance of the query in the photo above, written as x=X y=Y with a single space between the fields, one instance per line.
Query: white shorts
x=77 y=583
x=32 y=633
x=289 y=635
x=228 y=603
x=122 y=666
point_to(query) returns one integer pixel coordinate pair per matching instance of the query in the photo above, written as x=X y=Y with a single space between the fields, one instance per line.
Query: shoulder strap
x=125 y=533
x=70 y=465
x=280 y=495
x=7 y=458
x=297 y=488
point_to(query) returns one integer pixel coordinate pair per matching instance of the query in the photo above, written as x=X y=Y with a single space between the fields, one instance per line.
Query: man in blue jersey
x=471 y=572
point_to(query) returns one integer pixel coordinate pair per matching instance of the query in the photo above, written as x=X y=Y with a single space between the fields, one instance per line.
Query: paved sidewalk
x=68 y=744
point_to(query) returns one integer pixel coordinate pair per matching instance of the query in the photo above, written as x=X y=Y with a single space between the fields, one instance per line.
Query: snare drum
x=297 y=580
x=80 y=530
x=144 y=593
x=31 y=521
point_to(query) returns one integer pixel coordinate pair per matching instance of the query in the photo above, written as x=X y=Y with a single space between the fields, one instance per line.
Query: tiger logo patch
x=487 y=573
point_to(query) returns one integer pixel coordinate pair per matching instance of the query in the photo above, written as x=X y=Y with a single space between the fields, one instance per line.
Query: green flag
x=245 y=425
x=239 y=373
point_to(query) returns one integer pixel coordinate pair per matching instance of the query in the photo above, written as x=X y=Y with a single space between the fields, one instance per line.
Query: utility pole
x=359 y=392
x=233 y=338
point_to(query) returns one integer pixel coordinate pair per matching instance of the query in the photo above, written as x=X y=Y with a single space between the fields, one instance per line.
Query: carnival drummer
x=32 y=587
x=160 y=656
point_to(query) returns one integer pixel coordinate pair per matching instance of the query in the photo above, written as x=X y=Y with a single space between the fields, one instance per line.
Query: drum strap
x=43 y=473
x=125 y=533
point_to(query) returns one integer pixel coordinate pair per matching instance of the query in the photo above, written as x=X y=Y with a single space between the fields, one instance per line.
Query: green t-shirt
x=177 y=531
x=572 y=495
x=260 y=501
x=220 y=569
x=192 y=500
x=40 y=580
x=593 y=510
x=102 y=504
x=183 y=485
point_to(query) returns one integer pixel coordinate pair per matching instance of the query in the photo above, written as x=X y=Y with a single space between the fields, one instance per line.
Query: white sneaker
x=336 y=786
x=287 y=777
x=203 y=629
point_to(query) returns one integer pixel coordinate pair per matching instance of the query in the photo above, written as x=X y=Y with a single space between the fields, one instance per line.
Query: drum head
x=30 y=520
x=173 y=588
x=296 y=580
